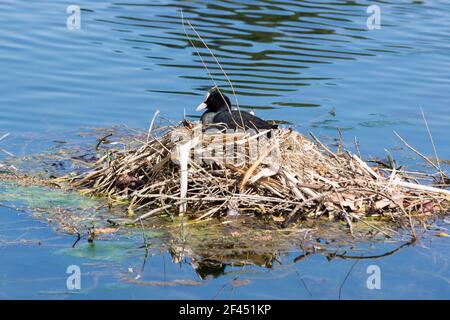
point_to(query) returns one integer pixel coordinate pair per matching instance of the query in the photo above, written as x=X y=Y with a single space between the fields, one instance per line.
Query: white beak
x=201 y=106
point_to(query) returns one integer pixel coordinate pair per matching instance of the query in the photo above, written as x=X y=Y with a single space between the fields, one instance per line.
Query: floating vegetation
x=184 y=170
x=231 y=189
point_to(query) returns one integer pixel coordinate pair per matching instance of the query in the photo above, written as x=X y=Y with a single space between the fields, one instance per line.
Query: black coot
x=218 y=111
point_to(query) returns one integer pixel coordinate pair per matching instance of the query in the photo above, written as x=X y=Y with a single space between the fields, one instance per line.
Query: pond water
x=314 y=64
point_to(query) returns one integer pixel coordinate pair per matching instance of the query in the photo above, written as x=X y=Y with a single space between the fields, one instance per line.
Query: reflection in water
x=211 y=247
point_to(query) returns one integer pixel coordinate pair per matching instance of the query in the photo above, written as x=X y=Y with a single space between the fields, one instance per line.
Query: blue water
x=288 y=60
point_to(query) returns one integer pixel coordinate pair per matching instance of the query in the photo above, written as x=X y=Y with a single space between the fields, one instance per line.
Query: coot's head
x=215 y=101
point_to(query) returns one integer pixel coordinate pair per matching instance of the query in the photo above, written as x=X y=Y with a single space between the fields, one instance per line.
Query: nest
x=166 y=173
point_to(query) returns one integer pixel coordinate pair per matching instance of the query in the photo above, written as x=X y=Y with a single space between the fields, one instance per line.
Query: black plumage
x=219 y=114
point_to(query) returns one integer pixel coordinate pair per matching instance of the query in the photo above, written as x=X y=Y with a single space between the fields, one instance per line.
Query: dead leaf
x=428 y=207
x=278 y=219
x=381 y=204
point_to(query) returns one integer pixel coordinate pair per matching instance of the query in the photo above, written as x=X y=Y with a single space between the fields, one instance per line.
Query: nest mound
x=183 y=170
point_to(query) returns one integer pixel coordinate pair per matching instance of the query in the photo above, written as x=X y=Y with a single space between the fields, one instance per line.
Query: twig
x=366 y=167
x=152 y=213
x=417 y=152
x=432 y=143
x=420 y=187
x=253 y=167
x=346 y=277
x=323 y=146
x=151 y=125
x=357 y=147
x=4 y=136
x=209 y=73
x=389 y=253
x=7 y=152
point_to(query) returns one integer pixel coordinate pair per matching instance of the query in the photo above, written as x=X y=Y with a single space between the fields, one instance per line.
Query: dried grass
x=308 y=181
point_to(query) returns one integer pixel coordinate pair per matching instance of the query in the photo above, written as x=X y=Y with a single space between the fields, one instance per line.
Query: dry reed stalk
x=432 y=144
x=241 y=125
x=309 y=180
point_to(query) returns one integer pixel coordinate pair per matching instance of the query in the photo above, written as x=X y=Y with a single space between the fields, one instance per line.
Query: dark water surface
x=288 y=60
